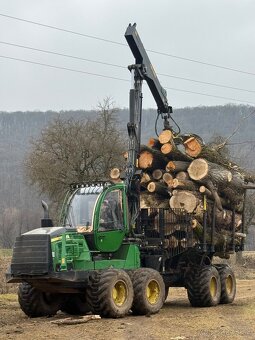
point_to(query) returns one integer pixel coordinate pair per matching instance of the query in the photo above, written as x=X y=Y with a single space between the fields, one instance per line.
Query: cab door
x=110 y=222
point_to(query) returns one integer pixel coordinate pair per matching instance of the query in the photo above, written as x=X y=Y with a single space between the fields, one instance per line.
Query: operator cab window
x=111 y=212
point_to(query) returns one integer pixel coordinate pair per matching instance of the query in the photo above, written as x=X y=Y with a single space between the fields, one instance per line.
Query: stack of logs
x=187 y=171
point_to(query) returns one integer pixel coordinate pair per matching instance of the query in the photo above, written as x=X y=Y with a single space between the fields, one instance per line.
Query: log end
x=198 y=169
x=165 y=136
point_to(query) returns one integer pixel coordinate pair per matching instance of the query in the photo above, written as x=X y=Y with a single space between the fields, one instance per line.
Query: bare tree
x=71 y=151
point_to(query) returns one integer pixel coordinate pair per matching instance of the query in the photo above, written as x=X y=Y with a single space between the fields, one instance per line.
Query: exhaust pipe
x=46 y=221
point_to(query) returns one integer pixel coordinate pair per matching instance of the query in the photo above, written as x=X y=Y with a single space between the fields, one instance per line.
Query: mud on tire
x=203 y=286
x=228 y=283
x=149 y=291
x=110 y=293
x=35 y=303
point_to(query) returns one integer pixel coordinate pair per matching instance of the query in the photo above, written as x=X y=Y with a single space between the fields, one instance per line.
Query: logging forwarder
x=127 y=264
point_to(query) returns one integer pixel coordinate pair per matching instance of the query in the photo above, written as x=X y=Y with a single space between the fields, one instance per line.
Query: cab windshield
x=80 y=214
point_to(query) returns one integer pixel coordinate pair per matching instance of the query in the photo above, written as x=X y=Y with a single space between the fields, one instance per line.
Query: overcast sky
x=220 y=32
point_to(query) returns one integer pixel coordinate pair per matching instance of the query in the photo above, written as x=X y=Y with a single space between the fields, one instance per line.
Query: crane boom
x=141 y=70
x=147 y=70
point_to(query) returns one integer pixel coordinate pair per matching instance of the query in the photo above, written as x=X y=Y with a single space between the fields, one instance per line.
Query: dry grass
x=5 y=259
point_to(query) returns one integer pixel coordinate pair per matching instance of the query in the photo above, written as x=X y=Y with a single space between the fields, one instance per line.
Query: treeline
x=20 y=208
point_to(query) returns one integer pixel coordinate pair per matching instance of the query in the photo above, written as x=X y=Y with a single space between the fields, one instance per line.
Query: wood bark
x=154 y=143
x=157 y=187
x=202 y=170
x=151 y=159
x=222 y=239
x=184 y=184
x=225 y=201
x=177 y=166
x=146 y=178
x=76 y=320
x=148 y=200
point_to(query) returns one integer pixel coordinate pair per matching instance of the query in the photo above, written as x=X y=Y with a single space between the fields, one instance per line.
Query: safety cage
x=170 y=229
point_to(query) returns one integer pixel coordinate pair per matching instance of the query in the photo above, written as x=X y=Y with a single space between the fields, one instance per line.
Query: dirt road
x=177 y=321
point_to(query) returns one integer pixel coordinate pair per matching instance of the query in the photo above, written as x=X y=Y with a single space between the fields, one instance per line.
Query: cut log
x=215 y=194
x=193 y=146
x=214 y=156
x=157 y=174
x=157 y=187
x=146 y=178
x=222 y=239
x=151 y=159
x=115 y=173
x=177 y=166
x=154 y=201
x=183 y=199
x=125 y=155
x=225 y=201
x=224 y=220
x=235 y=198
x=168 y=178
x=154 y=143
x=211 y=195
x=165 y=136
x=167 y=148
x=184 y=185
x=182 y=175
x=202 y=170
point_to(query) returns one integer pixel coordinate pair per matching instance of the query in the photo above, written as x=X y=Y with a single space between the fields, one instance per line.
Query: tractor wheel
x=110 y=293
x=149 y=291
x=228 y=283
x=35 y=303
x=204 y=287
x=166 y=292
x=75 y=304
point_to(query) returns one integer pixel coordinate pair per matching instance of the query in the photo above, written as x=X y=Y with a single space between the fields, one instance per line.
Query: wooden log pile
x=180 y=171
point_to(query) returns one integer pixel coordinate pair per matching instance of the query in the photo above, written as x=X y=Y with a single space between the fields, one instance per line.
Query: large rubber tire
x=110 y=293
x=204 y=286
x=75 y=304
x=149 y=291
x=166 y=293
x=35 y=303
x=228 y=283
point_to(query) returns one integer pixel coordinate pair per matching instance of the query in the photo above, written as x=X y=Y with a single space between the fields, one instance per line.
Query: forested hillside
x=20 y=208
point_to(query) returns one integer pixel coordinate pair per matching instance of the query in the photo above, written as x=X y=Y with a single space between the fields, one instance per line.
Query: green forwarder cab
x=84 y=264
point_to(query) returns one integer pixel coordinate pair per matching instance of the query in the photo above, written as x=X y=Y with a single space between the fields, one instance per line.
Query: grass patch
x=5 y=252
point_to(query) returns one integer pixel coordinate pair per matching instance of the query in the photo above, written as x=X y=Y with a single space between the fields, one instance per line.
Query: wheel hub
x=213 y=287
x=119 y=293
x=153 y=292
x=229 y=284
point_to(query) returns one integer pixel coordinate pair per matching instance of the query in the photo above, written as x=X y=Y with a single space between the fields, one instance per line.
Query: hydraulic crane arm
x=141 y=70
x=147 y=70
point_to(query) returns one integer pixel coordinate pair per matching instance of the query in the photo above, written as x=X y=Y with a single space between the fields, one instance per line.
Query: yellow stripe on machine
x=56 y=239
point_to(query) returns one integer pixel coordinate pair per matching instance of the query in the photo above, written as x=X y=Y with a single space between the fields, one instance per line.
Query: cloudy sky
x=219 y=32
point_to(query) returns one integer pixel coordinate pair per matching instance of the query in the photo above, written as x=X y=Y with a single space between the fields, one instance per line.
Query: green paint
x=71 y=251
x=111 y=240
x=77 y=255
